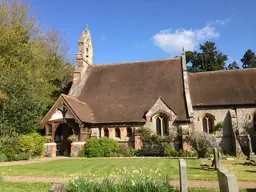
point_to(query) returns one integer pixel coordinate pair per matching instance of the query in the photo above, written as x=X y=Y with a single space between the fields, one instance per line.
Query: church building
x=114 y=100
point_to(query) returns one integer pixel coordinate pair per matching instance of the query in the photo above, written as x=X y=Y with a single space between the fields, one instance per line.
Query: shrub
x=93 y=148
x=126 y=151
x=218 y=126
x=9 y=146
x=73 y=138
x=103 y=147
x=47 y=139
x=32 y=141
x=174 y=153
x=3 y=157
x=202 y=143
x=108 y=146
x=170 y=152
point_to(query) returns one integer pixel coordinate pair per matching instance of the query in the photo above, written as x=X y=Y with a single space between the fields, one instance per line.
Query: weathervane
x=86 y=26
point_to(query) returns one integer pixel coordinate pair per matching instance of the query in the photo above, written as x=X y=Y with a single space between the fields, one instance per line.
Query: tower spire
x=183 y=52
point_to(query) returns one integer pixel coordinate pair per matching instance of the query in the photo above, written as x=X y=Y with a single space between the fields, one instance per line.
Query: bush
x=3 y=157
x=202 y=143
x=126 y=151
x=73 y=138
x=108 y=146
x=47 y=139
x=151 y=150
x=9 y=146
x=174 y=153
x=122 y=184
x=33 y=142
x=103 y=147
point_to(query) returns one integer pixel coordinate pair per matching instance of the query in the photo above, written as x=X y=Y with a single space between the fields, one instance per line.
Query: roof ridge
x=222 y=71
x=136 y=62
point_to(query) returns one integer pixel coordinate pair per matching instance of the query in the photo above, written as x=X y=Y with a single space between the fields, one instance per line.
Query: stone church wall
x=245 y=118
x=244 y=115
x=223 y=137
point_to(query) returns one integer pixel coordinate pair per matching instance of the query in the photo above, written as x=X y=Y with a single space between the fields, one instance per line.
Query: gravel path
x=174 y=182
x=37 y=160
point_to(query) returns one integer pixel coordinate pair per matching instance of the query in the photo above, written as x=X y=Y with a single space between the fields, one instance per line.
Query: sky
x=136 y=30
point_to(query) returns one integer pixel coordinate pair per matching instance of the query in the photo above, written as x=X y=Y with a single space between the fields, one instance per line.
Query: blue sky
x=151 y=29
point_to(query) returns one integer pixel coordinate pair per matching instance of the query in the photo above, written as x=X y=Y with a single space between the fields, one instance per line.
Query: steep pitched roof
x=232 y=87
x=125 y=92
x=80 y=110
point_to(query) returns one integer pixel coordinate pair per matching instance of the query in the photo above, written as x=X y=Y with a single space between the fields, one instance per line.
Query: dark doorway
x=61 y=139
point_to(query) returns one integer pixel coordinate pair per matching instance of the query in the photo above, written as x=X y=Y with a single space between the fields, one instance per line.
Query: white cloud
x=173 y=41
x=223 y=21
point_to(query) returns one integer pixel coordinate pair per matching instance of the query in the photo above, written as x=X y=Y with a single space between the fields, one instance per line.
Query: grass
x=21 y=187
x=100 y=167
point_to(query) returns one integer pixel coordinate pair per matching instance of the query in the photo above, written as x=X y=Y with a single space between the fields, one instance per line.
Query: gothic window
x=106 y=134
x=161 y=125
x=158 y=126
x=117 y=132
x=208 y=123
x=129 y=132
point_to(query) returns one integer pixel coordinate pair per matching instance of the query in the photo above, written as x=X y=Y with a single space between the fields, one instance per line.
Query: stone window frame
x=117 y=132
x=163 y=119
x=210 y=122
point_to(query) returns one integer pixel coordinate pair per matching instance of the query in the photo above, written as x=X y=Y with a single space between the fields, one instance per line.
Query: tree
x=249 y=59
x=33 y=69
x=209 y=59
x=232 y=66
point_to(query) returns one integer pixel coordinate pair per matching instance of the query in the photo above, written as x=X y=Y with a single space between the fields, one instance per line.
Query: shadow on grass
x=203 y=168
x=250 y=190
x=245 y=163
x=250 y=171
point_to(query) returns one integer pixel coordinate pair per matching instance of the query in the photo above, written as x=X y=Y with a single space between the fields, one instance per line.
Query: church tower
x=84 y=58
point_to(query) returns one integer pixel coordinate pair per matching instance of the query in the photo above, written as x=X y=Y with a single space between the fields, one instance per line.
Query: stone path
x=174 y=182
x=37 y=160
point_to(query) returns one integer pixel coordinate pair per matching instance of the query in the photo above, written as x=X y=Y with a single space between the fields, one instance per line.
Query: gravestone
x=216 y=160
x=252 y=155
x=227 y=180
x=58 y=187
x=183 y=176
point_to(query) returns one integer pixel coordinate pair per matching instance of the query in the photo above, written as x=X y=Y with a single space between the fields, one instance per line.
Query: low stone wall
x=58 y=187
x=50 y=149
x=76 y=147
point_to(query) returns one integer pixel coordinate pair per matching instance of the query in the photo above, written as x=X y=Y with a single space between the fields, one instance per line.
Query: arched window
x=158 y=126
x=162 y=125
x=117 y=132
x=208 y=123
x=129 y=132
x=106 y=134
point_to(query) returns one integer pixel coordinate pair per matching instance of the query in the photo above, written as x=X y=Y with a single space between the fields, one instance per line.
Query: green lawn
x=106 y=166
x=21 y=187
